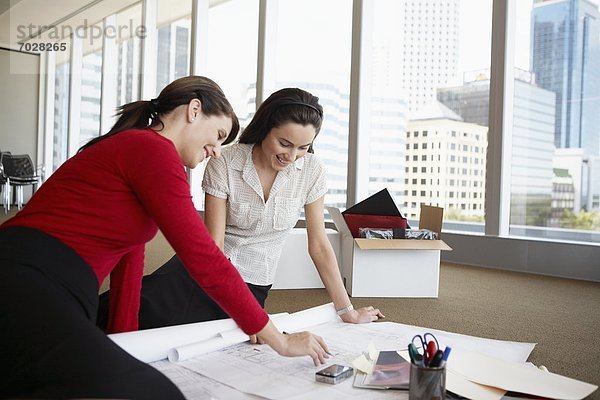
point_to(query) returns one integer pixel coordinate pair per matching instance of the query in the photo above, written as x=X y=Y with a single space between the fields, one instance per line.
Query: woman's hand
x=294 y=344
x=362 y=315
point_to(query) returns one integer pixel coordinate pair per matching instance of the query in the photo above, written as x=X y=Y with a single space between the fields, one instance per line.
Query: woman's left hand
x=362 y=315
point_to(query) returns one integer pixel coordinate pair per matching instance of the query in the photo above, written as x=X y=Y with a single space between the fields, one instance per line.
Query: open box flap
x=431 y=218
x=338 y=220
x=401 y=244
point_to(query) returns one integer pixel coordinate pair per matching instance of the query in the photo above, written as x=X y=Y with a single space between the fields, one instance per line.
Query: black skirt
x=170 y=296
x=50 y=346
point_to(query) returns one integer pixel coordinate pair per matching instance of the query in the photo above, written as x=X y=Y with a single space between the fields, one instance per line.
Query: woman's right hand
x=294 y=344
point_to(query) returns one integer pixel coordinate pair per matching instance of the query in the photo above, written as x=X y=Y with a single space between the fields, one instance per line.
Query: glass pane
x=61 y=109
x=555 y=186
x=313 y=53
x=173 y=41
x=128 y=57
x=91 y=85
x=236 y=77
x=428 y=115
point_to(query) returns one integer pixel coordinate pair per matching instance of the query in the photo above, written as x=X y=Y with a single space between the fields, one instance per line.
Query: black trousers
x=50 y=346
x=170 y=296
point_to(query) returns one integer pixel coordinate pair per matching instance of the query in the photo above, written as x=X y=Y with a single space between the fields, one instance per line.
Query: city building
x=565 y=57
x=583 y=170
x=445 y=163
x=563 y=195
x=429 y=41
x=532 y=138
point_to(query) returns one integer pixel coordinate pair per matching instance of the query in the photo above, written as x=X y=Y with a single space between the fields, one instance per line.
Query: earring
x=193 y=119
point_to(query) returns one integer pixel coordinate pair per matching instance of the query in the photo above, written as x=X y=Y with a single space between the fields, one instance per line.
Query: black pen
x=437 y=359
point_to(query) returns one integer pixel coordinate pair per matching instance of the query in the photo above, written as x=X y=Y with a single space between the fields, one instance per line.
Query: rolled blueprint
x=150 y=345
x=284 y=322
x=223 y=340
x=180 y=342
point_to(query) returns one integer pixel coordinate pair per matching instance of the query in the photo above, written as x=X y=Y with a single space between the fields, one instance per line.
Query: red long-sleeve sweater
x=107 y=201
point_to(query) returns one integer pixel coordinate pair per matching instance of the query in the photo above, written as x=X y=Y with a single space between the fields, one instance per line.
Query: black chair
x=20 y=172
x=5 y=182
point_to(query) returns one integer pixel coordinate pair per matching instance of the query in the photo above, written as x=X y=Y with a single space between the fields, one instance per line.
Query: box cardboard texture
x=394 y=267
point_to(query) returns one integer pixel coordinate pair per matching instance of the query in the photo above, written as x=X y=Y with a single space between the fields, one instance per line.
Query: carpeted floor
x=562 y=316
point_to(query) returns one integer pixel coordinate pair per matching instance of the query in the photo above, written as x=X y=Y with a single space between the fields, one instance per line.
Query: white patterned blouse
x=255 y=231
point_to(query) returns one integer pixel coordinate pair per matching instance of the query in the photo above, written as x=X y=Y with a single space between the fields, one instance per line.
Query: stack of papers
x=391 y=371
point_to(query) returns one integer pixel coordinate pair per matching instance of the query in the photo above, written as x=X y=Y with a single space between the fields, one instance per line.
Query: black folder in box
x=376 y=211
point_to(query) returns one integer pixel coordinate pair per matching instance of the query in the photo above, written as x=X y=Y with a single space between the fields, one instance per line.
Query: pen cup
x=427 y=383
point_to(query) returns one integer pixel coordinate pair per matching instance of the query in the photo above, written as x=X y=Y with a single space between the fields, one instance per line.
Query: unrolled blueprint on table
x=260 y=371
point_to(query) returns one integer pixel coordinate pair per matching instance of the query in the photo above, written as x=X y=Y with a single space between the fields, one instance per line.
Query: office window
x=556 y=114
x=387 y=110
x=91 y=86
x=173 y=20
x=128 y=57
x=61 y=107
x=302 y=60
x=237 y=79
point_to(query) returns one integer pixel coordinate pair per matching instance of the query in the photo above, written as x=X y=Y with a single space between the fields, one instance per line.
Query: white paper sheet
x=198 y=387
x=258 y=370
x=518 y=377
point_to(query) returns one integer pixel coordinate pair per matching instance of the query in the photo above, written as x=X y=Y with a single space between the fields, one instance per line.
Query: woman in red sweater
x=92 y=218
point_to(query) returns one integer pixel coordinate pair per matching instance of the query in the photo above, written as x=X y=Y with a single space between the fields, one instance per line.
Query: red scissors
x=429 y=344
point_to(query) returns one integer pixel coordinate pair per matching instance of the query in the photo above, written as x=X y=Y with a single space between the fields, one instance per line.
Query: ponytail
x=143 y=114
x=136 y=115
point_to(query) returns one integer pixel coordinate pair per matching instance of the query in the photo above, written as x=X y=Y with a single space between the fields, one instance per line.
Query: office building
x=563 y=195
x=91 y=89
x=429 y=41
x=172 y=60
x=583 y=170
x=445 y=163
x=532 y=138
x=565 y=57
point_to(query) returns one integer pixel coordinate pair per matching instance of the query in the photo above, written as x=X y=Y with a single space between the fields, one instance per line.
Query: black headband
x=304 y=104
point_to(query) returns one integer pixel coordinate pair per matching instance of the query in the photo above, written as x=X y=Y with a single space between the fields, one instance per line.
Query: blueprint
x=259 y=371
x=241 y=370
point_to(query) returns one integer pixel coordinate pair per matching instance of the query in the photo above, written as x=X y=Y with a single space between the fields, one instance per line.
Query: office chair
x=20 y=172
x=5 y=182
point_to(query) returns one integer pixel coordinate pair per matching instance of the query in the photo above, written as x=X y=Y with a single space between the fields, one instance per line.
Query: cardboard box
x=395 y=267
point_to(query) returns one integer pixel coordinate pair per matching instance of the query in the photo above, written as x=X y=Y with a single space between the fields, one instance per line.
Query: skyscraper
x=429 y=45
x=565 y=58
x=532 y=136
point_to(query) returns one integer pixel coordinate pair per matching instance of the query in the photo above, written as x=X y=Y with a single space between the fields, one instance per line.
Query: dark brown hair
x=284 y=106
x=147 y=113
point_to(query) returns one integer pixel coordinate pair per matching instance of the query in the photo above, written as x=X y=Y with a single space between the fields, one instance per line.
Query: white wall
x=19 y=83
